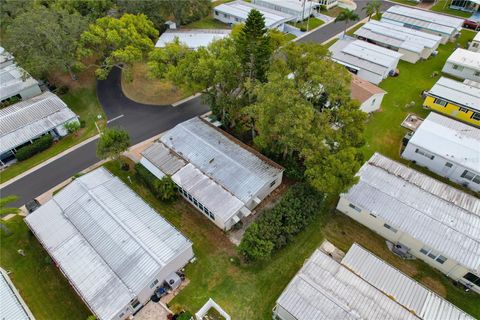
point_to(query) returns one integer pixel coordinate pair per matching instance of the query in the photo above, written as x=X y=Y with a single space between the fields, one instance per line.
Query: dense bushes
x=37 y=146
x=276 y=227
x=163 y=189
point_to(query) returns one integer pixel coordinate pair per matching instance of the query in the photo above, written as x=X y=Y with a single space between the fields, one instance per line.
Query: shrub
x=72 y=126
x=163 y=189
x=323 y=8
x=37 y=146
x=303 y=29
x=276 y=227
x=82 y=123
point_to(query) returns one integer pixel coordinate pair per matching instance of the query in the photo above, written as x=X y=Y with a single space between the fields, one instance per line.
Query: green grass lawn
x=312 y=24
x=43 y=287
x=407 y=2
x=84 y=103
x=441 y=6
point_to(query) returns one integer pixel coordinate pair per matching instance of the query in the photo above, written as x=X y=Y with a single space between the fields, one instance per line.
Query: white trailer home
x=301 y=10
x=435 y=222
x=16 y=82
x=447 y=147
x=112 y=247
x=11 y=302
x=192 y=38
x=475 y=43
x=219 y=175
x=369 y=95
x=463 y=64
x=412 y=44
x=441 y=25
x=358 y=286
x=368 y=61
x=237 y=12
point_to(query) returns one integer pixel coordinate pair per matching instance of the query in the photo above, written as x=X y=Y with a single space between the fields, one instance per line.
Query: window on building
x=424 y=250
x=216 y=13
x=121 y=315
x=153 y=284
x=441 y=259
x=476 y=179
x=448 y=164
x=472 y=278
x=195 y=201
x=457 y=67
x=355 y=207
x=390 y=228
x=212 y=216
x=432 y=254
x=135 y=303
x=463 y=110
x=371 y=214
x=200 y=206
x=425 y=154
x=468 y=175
x=273 y=183
x=475 y=45
x=190 y=197
x=477 y=73
x=440 y=102
x=475 y=116
x=373 y=101
x=225 y=15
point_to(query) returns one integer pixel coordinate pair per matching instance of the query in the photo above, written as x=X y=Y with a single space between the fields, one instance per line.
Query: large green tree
x=10 y=9
x=44 y=39
x=186 y=11
x=373 y=8
x=346 y=15
x=163 y=61
x=112 y=143
x=118 y=42
x=155 y=10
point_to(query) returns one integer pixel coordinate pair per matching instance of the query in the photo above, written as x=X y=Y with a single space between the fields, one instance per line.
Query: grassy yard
x=312 y=24
x=250 y=291
x=83 y=101
x=209 y=22
x=43 y=287
x=151 y=91
x=333 y=12
x=407 y=2
x=443 y=7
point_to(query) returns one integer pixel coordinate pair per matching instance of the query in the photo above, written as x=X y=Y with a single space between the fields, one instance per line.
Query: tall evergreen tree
x=253 y=47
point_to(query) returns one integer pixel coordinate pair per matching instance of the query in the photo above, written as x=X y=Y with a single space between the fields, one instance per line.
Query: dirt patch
x=435 y=285
x=145 y=90
x=85 y=79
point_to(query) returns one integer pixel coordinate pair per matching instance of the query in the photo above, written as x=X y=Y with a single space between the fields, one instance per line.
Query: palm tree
x=373 y=7
x=5 y=201
x=347 y=16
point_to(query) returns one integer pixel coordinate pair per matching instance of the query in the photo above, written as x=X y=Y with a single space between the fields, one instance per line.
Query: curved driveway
x=140 y=120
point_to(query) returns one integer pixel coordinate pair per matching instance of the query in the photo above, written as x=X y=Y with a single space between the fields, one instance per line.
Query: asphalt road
x=141 y=121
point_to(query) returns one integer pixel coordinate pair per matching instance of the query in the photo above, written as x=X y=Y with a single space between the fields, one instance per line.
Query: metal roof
x=194 y=38
x=457 y=92
x=5 y=55
x=28 y=119
x=451 y=139
x=12 y=306
x=423 y=19
x=108 y=242
x=241 y=9
x=325 y=289
x=364 y=55
x=477 y=37
x=163 y=158
x=397 y=36
x=237 y=168
x=442 y=217
x=404 y=290
x=13 y=80
x=465 y=58
x=293 y=5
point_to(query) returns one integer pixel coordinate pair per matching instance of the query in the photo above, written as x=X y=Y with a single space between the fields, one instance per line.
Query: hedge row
x=276 y=227
x=163 y=189
x=37 y=146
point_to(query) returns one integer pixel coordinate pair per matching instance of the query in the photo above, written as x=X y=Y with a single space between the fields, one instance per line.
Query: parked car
x=32 y=205
x=471 y=24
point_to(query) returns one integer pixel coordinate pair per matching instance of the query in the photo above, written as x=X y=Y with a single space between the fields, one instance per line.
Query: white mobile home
x=369 y=95
x=358 y=286
x=328 y=3
x=237 y=12
x=447 y=147
x=27 y=120
x=219 y=175
x=301 y=10
x=112 y=247
x=475 y=44
x=16 y=82
x=11 y=302
x=192 y=38
x=441 y=25
x=366 y=60
x=463 y=64
x=6 y=58
x=413 y=44
x=434 y=221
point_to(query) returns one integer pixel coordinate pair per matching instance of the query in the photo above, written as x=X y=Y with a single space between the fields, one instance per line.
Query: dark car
x=32 y=205
x=471 y=24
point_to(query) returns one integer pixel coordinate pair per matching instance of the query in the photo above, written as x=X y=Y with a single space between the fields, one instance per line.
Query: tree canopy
x=112 y=143
x=118 y=42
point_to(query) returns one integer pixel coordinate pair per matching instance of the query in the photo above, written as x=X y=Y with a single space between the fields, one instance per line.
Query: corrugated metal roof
x=412 y=295
x=465 y=58
x=211 y=195
x=397 y=36
x=26 y=120
x=194 y=38
x=450 y=139
x=163 y=158
x=241 y=10
x=13 y=79
x=457 y=92
x=12 y=306
x=238 y=169
x=294 y=5
x=106 y=239
x=325 y=289
x=423 y=19
x=440 y=216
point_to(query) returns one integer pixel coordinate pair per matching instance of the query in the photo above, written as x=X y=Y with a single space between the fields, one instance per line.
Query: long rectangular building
x=413 y=44
x=216 y=173
x=455 y=99
x=463 y=64
x=301 y=10
x=447 y=147
x=113 y=248
x=16 y=82
x=192 y=38
x=366 y=60
x=427 y=21
x=438 y=224
x=359 y=286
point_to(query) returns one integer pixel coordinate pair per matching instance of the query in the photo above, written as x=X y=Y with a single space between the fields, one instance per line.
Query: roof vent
x=211 y=160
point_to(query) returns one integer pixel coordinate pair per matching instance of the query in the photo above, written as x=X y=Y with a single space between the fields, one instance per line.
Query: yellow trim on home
x=451 y=110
